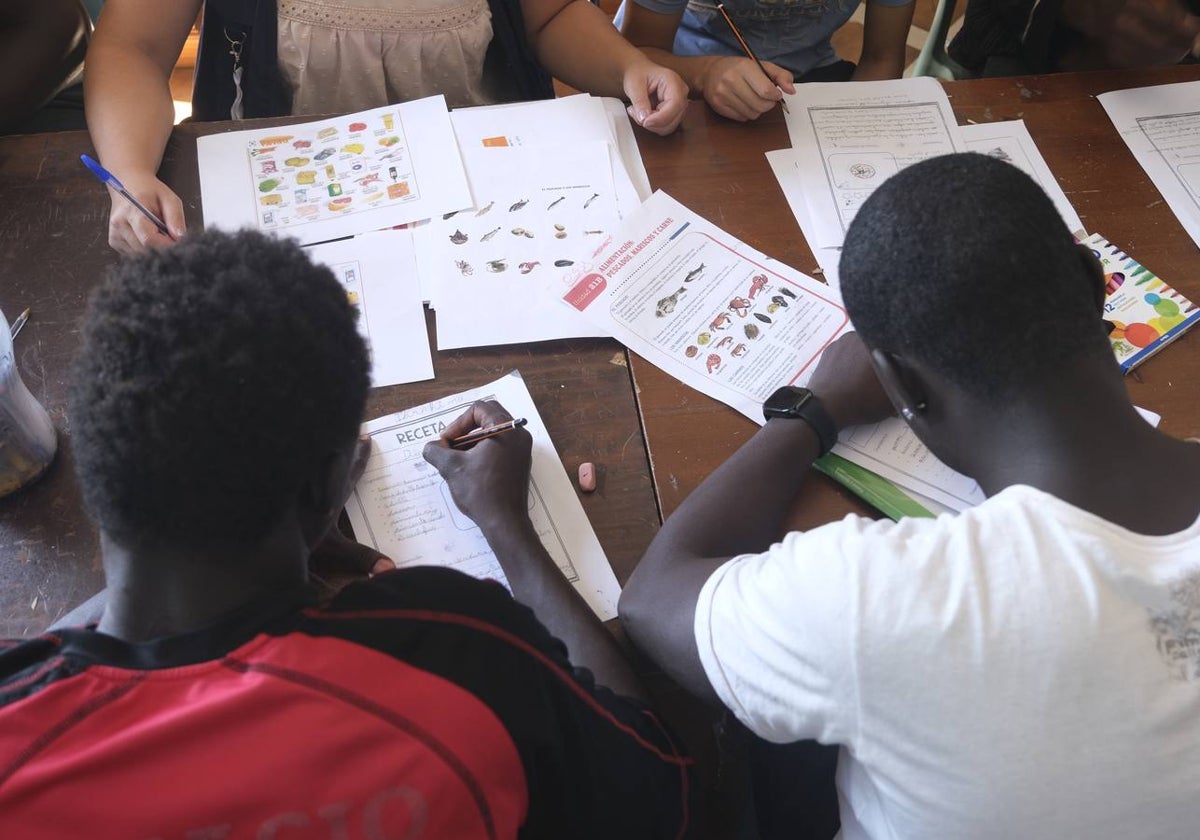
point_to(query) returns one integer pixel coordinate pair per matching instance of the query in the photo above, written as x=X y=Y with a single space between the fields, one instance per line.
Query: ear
x=323 y=494
x=1095 y=272
x=901 y=383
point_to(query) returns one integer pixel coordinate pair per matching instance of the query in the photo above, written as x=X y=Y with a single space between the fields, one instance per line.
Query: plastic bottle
x=27 y=438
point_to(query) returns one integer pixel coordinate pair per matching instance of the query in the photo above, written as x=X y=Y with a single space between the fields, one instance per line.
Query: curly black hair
x=963 y=263
x=214 y=379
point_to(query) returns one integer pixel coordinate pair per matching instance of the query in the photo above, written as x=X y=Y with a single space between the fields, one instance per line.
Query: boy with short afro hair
x=214 y=409
x=1024 y=669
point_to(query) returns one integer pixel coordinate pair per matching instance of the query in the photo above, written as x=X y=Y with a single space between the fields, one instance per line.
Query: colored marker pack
x=1146 y=313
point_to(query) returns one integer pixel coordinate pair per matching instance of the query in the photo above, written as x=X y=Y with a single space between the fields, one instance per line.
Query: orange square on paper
x=398 y=190
x=495 y=141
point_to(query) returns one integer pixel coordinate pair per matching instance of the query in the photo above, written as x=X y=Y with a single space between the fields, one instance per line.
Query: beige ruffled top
x=350 y=55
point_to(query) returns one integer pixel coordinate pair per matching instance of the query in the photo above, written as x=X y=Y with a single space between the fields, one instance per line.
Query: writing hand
x=129 y=231
x=658 y=97
x=490 y=481
x=737 y=89
x=847 y=385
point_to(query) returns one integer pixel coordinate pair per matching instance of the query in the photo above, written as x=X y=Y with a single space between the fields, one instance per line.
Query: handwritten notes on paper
x=403 y=508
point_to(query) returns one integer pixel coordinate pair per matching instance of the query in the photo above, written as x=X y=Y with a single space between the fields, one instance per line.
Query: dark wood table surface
x=718 y=169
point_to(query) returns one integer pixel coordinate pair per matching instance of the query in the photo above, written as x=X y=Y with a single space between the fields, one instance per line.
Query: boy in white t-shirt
x=1029 y=668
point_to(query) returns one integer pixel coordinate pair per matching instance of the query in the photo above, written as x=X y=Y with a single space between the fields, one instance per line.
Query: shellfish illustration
x=458 y=237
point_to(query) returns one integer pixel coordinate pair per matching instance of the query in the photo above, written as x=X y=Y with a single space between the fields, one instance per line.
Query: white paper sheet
x=559 y=124
x=785 y=164
x=380 y=276
x=402 y=507
x=1010 y=142
x=1161 y=126
x=540 y=212
x=338 y=177
x=852 y=136
x=707 y=308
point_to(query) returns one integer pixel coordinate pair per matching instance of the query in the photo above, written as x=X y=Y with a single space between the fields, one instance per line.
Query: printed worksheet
x=403 y=508
x=852 y=136
x=379 y=273
x=332 y=178
x=1010 y=142
x=705 y=307
x=540 y=212
x=1161 y=126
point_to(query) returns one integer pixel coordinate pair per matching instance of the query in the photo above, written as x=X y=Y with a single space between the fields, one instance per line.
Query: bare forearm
x=580 y=46
x=539 y=584
x=129 y=110
x=742 y=507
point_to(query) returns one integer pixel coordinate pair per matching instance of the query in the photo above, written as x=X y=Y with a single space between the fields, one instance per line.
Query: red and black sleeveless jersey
x=419 y=704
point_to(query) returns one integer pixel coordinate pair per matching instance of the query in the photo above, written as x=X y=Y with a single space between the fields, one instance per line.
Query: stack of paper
x=550 y=179
x=848 y=138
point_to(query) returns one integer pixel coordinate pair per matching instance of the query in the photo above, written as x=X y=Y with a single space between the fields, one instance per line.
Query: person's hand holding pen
x=489 y=482
x=736 y=88
x=133 y=229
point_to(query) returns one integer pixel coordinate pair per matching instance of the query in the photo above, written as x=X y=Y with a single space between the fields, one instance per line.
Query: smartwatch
x=802 y=404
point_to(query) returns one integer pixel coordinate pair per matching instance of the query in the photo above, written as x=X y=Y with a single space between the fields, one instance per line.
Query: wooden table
x=54 y=249
x=717 y=168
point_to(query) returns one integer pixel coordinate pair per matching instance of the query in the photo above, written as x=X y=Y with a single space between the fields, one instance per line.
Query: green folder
x=873 y=489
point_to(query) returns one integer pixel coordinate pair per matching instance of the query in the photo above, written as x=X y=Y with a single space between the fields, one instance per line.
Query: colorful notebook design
x=1146 y=313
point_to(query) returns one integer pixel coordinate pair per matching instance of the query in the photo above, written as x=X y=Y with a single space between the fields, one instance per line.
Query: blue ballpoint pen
x=110 y=180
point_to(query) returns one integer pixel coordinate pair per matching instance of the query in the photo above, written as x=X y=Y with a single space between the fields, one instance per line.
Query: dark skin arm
x=490 y=484
x=754 y=489
x=36 y=38
x=1130 y=33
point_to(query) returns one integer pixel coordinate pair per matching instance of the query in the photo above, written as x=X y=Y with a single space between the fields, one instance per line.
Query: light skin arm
x=577 y=43
x=490 y=484
x=733 y=86
x=129 y=111
x=885 y=32
x=741 y=508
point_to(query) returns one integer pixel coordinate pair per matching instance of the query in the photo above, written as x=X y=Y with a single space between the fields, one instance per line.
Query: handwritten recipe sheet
x=402 y=507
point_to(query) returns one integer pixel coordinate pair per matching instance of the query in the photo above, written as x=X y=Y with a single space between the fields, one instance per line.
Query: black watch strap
x=795 y=403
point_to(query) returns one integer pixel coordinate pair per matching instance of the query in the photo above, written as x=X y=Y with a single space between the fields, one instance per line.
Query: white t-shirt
x=1022 y=670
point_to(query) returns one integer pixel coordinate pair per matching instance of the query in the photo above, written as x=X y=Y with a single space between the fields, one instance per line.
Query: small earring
x=907 y=414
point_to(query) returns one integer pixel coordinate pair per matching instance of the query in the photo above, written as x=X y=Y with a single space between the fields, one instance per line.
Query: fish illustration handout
x=489 y=235
x=555 y=201
x=518 y=205
x=484 y=209
x=590 y=200
x=694 y=273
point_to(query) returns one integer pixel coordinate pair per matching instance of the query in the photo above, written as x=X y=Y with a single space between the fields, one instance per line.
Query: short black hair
x=215 y=378
x=962 y=262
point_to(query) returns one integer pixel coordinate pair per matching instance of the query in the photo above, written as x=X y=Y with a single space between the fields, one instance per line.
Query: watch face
x=786 y=400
